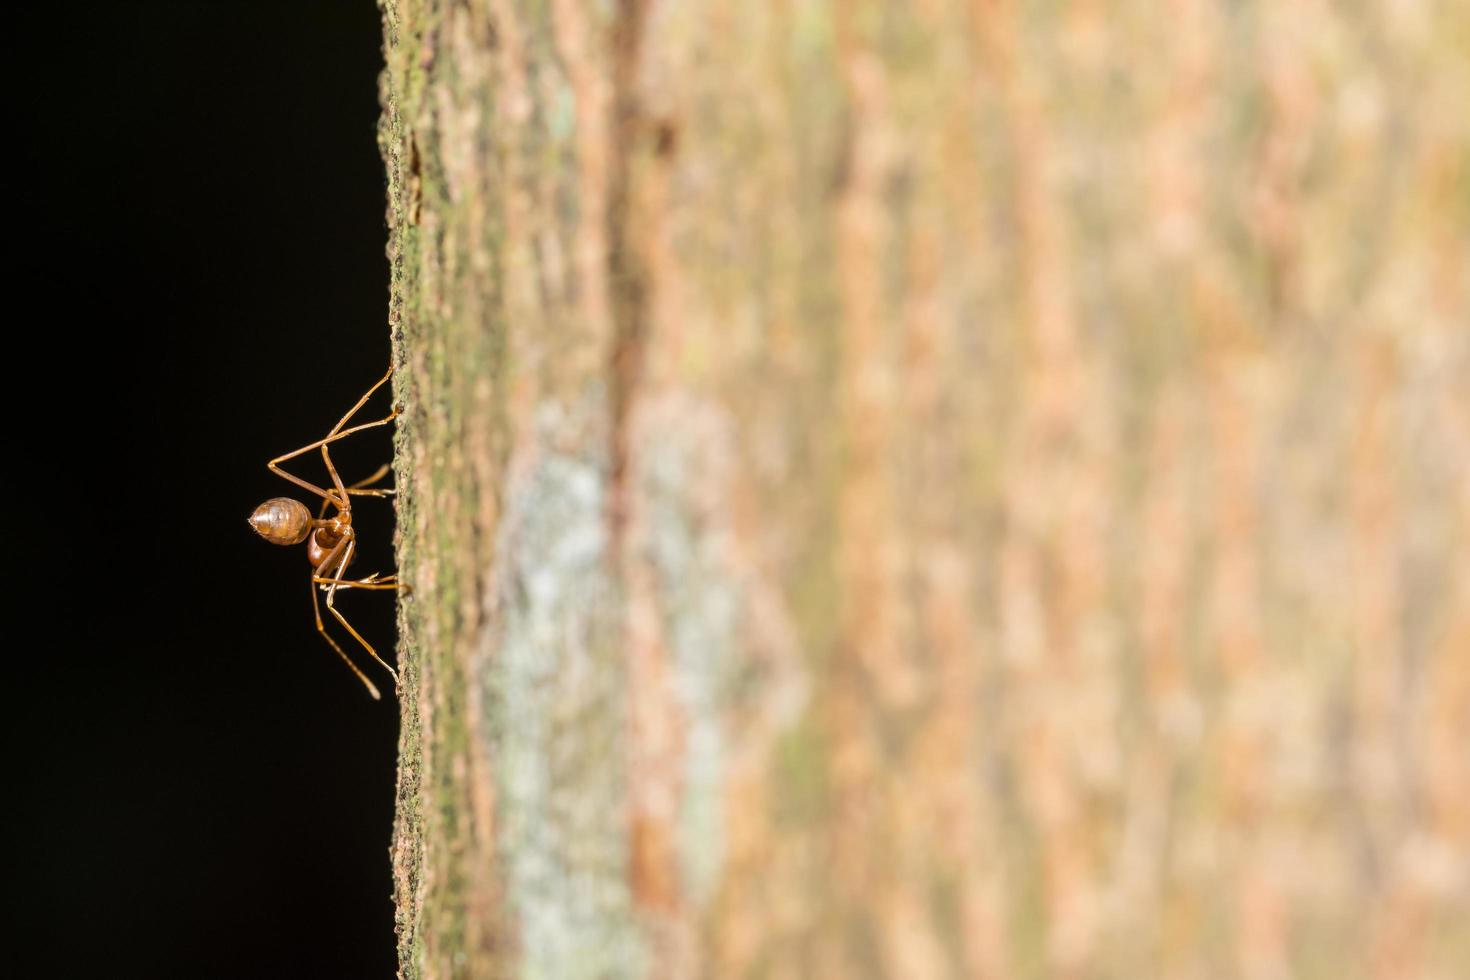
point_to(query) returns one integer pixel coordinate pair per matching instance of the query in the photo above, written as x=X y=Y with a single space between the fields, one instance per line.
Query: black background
x=198 y=284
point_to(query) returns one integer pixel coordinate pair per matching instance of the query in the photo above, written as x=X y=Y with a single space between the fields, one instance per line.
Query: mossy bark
x=932 y=490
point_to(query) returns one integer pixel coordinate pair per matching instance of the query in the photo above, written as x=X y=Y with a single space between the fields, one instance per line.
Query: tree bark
x=932 y=490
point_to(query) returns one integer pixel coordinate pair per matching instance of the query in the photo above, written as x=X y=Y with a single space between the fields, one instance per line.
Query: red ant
x=330 y=541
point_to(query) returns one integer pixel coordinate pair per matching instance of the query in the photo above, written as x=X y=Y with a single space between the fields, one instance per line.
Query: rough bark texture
x=941 y=489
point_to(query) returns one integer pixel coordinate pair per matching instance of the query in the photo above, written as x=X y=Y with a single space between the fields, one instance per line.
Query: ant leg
x=332 y=608
x=381 y=492
x=355 y=489
x=275 y=468
x=374 y=580
x=381 y=472
x=371 y=582
x=358 y=489
x=327 y=457
x=336 y=480
x=322 y=629
x=328 y=562
x=361 y=402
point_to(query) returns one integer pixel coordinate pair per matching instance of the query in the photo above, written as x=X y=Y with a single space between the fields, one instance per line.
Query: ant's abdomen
x=282 y=520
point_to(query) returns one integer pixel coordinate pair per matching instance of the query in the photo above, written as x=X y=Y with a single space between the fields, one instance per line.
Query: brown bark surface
x=932 y=490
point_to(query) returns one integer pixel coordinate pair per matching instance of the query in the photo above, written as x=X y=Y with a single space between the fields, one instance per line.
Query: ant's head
x=281 y=520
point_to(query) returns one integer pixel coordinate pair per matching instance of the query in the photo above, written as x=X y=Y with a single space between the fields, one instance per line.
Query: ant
x=330 y=541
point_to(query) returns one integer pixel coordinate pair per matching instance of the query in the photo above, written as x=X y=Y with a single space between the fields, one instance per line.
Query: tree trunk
x=932 y=490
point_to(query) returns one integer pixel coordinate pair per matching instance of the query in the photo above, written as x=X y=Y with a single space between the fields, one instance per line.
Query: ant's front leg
x=336 y=583
x=371 y=582
x=321 y=628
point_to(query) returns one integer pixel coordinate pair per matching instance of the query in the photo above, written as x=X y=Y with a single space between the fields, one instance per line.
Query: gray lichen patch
x=554 y=681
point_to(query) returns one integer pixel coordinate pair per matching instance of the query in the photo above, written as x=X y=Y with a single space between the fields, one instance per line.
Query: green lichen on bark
x=482 y=533
x=437 y=354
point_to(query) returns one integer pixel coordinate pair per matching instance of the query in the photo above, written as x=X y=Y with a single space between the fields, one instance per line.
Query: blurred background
x=205 y=790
